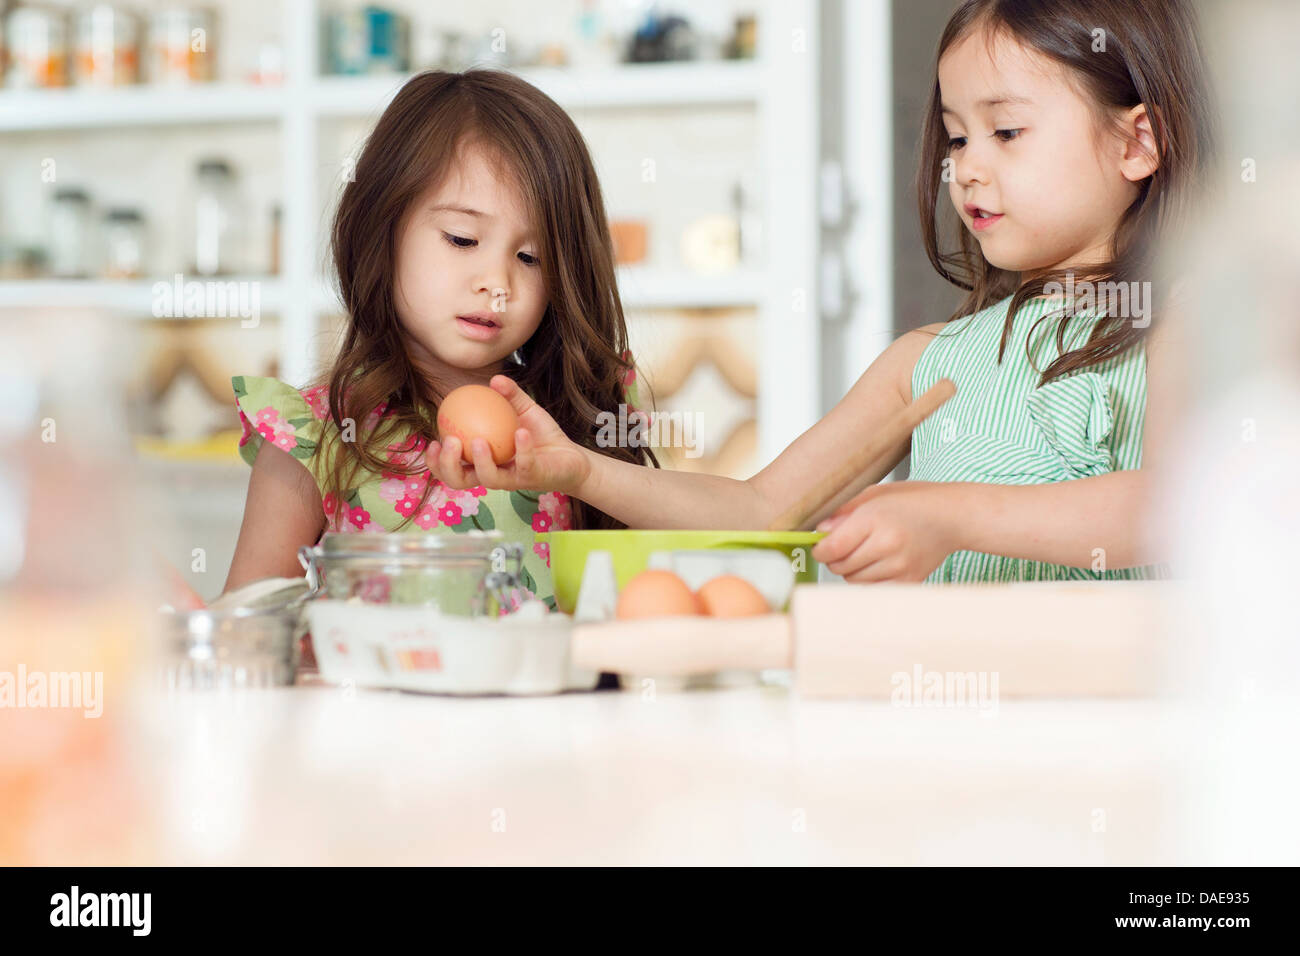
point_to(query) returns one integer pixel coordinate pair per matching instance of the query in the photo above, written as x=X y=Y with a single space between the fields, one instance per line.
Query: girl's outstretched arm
x=902 y=531
x=546 y=460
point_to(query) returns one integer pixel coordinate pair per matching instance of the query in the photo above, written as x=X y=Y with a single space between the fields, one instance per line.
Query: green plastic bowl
x=631 y=550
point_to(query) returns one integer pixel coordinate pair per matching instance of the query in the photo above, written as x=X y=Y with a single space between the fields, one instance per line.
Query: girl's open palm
x=545 y=458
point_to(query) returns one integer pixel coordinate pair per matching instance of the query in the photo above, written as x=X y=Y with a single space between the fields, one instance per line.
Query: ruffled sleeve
x=1075 y=416
x=271 y=410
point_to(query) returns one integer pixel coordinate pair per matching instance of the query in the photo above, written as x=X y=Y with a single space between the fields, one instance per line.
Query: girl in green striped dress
x=1066 y=136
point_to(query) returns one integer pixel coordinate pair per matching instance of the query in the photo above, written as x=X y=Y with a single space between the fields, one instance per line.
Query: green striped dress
x=1003 y=428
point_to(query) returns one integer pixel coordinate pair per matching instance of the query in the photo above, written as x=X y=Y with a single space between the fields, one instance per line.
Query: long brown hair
x=573 y=365
x=1152 y=56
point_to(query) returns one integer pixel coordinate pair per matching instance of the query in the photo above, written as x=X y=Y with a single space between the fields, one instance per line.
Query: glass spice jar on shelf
x=181 y=46
x=123 y=244
x=217 y=223
x=36 y=47
x=69 y=234
x=107 y=51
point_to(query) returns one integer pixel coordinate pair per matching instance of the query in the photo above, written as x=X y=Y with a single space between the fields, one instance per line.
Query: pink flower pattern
x=464 y=499
x=272 y=427
x=557 y=508
x=318 y=400
x=427 y=518
x=393 y=489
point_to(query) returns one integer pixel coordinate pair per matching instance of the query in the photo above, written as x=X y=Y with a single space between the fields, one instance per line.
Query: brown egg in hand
x=476 y=411
x=655 y=594
x=729 y=595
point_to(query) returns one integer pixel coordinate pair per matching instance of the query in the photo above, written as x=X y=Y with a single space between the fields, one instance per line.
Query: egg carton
x=420 y=649
x=768 y=571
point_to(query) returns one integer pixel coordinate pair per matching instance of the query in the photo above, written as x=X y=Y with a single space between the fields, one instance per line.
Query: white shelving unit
x=662 y=84
x=646 y=85
x=781 y=85
x=74 y=108
x=132 y=298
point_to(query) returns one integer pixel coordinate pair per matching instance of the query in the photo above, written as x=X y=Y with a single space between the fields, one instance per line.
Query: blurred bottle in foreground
x=1227 y=470
x=73 y=600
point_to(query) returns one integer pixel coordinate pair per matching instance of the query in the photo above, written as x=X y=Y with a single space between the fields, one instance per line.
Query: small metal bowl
x=233 y=645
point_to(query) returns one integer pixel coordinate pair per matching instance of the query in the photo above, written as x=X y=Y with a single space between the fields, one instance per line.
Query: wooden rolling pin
x=1040 y=639
x=845 y=477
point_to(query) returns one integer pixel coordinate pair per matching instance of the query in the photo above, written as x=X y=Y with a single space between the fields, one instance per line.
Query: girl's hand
x=545 y=458
x=899 y=531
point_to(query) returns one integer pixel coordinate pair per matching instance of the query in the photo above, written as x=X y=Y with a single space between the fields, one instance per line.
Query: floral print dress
x=294 y=420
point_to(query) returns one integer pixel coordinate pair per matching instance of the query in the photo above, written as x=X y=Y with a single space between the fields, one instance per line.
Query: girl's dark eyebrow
x=1000 y=100
x=461 y=209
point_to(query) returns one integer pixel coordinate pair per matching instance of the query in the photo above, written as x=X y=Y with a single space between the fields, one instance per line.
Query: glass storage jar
x=69 y=230
x=123 y=244
x=475 y=574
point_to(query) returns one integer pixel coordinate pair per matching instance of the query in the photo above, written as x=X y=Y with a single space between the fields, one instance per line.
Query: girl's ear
x=1140 y=158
